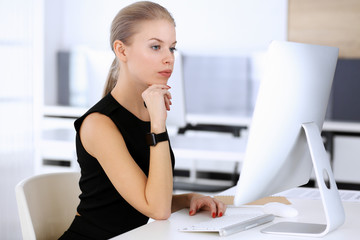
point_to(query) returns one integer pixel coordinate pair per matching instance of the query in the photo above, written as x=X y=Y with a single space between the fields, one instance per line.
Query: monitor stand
x=330 y=197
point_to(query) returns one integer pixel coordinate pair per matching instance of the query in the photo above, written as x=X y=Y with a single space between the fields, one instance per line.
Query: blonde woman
x=122 y=145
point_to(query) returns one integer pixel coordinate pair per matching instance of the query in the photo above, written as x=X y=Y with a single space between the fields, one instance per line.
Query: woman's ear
x=119 y=50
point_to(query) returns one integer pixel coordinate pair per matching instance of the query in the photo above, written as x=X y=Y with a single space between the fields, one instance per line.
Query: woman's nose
x=169 y=58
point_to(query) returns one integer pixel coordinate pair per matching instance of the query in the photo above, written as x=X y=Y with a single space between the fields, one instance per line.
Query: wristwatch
x=152 y=139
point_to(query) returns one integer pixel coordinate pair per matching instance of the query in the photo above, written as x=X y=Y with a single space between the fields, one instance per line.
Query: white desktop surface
x=309 y=211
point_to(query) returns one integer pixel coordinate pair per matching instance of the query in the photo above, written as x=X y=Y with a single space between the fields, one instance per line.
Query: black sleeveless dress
x=104 y=213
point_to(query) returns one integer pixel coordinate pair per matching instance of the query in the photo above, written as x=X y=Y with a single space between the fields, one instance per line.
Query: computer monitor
x=285 y=141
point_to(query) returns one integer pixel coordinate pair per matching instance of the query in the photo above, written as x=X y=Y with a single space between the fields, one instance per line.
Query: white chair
x=47 y=204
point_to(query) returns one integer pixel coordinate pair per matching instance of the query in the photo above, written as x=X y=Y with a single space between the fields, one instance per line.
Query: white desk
x=309 y=211
x=217 y=147
x=244 y=120
x=240 y=119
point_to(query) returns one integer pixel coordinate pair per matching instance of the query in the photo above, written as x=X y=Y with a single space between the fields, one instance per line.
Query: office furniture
x=47 y=204
x=309 y=211
x=196 y=156
x=211 y=162
x=58 y=143
x=341 y=141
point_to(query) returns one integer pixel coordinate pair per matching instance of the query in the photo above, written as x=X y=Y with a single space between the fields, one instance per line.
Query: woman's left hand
x=200 y=202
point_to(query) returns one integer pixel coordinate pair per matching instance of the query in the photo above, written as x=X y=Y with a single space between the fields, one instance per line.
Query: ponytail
x=111 y=77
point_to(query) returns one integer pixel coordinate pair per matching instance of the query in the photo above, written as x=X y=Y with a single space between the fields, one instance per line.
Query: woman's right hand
x=158 y=100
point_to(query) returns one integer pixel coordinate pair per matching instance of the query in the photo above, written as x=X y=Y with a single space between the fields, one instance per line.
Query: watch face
x=151 y=139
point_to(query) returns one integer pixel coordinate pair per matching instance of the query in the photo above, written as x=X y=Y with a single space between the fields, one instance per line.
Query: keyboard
x=233 y=221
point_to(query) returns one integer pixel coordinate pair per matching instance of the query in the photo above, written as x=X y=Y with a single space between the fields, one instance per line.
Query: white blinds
x=19 y=63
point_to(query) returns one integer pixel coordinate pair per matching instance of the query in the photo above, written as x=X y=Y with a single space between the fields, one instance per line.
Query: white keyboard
x=231 y=223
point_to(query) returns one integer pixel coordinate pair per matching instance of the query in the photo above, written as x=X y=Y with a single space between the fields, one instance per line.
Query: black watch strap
x=152 y=139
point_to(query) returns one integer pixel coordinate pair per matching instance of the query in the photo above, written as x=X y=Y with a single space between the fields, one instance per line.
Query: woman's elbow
x=161 y=214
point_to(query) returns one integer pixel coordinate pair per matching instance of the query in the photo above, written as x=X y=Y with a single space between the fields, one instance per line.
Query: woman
x=126 y=177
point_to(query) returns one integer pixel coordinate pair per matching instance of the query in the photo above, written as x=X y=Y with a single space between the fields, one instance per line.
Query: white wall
x=206 y=27
x=202 y=25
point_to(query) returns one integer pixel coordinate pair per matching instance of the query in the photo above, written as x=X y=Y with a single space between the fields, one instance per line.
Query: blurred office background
x=53 y=54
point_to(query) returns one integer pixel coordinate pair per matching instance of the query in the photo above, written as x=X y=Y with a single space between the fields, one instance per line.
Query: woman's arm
x=151 y=196
x=159 y=185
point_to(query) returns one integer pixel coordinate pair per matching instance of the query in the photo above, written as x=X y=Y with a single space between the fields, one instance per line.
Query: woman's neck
x=128 y=94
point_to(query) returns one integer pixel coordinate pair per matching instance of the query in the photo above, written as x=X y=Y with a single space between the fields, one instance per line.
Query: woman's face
x=150 y=56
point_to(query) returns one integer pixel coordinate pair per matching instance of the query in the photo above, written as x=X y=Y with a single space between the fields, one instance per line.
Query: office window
x=17 y=67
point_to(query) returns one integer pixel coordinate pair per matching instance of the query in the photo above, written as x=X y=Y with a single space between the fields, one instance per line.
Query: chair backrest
x=47 y=204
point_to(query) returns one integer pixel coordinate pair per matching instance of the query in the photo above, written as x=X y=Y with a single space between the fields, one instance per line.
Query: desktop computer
x=285 y=143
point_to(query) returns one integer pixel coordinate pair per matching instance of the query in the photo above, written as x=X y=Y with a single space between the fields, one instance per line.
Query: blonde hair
x=123 y=27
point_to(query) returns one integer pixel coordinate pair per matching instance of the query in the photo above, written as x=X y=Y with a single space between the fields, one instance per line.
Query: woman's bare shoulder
x=97 y=129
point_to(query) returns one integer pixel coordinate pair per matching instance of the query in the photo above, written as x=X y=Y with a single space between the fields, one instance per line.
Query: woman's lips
x=166 y=73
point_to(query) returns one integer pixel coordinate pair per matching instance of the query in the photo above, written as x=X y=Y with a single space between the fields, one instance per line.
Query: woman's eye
x=156 y=47
x=173 y=49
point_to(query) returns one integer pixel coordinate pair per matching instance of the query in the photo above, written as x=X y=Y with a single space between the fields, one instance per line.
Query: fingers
x=157 y=98
x=167 y=103
x=167 y=99
x=216 y=207
x=195 y=205
x=221 y=207
x=203 y=203
x=157 y=90
x=159 y=86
